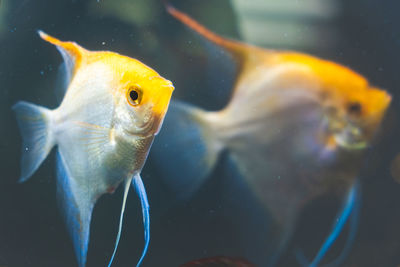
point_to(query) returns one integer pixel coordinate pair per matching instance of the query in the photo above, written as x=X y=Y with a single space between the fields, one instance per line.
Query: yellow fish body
x=103 y=129
x=296 y=126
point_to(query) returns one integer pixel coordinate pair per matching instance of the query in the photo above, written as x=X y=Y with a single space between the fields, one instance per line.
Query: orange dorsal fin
x=71 y=52
x=237 y=49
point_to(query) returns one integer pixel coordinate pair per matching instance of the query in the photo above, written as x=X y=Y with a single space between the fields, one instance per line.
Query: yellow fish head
x=362 y=116
x=354 y=109
x=141 y=95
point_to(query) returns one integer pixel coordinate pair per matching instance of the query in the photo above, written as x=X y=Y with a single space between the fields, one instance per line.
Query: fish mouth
x=351 y=144
x=352 y=137
x=346 y=133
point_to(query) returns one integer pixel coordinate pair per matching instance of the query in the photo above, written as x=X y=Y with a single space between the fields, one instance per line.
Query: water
x=362 y=34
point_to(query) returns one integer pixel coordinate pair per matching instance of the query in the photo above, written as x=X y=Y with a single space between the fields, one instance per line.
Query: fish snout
x=162 y=98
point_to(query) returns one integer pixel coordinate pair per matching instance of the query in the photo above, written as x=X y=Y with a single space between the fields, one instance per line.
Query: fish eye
x=354 y=108
x=134 y=95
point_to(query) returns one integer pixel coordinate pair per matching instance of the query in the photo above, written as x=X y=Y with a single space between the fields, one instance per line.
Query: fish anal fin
x=77 y=206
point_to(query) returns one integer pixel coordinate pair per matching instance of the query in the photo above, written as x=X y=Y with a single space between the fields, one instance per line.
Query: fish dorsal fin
x=246 y=56
x=71 y=52
x=239 y=50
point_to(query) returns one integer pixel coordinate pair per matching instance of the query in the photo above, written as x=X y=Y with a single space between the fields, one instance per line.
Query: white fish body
x=103 y=130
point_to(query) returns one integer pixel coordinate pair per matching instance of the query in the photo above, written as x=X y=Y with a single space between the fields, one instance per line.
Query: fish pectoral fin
x=93 y=138
x=349 y=213
x=137 y=183
x=76 y=202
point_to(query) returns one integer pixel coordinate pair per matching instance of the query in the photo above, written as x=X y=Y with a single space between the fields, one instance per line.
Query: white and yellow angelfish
x=113 y=108
x=296 y=127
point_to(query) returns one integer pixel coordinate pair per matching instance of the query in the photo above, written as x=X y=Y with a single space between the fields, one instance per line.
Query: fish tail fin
x=186 y=149
x=121 y=219
x=349 y=213
x=34 y=124
x=237 y=48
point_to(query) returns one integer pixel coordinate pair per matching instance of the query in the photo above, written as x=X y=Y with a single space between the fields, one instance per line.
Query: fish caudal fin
x=34 y=123
x=349 y=213
x=185 y=150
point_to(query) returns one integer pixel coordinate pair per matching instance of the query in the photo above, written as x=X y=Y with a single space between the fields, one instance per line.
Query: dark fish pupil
x=133 y=95
x=354 y=108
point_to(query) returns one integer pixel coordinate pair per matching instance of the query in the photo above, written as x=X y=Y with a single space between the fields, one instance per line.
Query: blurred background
x=362 y=34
